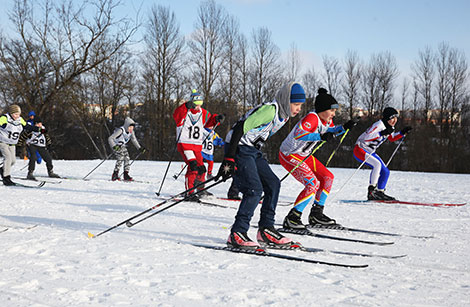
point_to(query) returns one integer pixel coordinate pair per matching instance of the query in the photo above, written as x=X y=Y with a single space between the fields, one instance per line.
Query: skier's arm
x=395 y=136
x=305 y=131
x=135 y=141
x=112 y=138
x=180 y=114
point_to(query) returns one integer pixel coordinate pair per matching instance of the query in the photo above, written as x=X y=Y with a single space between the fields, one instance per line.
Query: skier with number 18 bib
x=191 y=119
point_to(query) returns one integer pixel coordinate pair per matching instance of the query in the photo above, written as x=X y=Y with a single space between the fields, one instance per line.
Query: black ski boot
x=200 y=187
x=293 y=220
x=7 y=181
x=127 y=177
x=375 y=194
x=115 y=176
x=52 y=174
x=30 y=176
x=193 y=197
x=317 y=217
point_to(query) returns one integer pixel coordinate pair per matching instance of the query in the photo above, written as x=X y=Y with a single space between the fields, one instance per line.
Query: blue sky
x=332 y=27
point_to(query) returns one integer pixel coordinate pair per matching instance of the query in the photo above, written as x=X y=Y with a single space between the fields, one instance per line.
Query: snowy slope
x=152 y=264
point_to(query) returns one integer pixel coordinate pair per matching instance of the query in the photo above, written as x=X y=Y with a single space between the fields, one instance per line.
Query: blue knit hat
x=297 y=93
x=196 y=98
x=31 y=113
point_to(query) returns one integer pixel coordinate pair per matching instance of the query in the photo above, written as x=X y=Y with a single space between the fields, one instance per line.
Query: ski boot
x=115 y=176
x=233 y=192
x=242 y=241
x=52 y=174
x=7 y=181
x=293 y=220
x=1 y=172
x=210 y=176
x=193 y=197
x=270 y=237
x=30 y=176
x=127 y=177
x=317 y=217
x=375 y=194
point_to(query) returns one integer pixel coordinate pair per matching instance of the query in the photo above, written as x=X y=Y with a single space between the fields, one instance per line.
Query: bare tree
x=162 y=63
x=310 y=83
x=352 y=80
x=332 y=75
x=387 y=72
x=294 y=63
x=423 y=72
x=207 y=46
x=243 y=63
x=370 y=81
x=266 y=66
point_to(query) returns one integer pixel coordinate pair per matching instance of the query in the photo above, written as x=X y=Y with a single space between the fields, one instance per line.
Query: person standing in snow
x=191 y=119
x=37 y=143
x=211 y=139
x=118 y=142
x=365 y=148
x=243 y=155
x=11 y=126
x=314 y=127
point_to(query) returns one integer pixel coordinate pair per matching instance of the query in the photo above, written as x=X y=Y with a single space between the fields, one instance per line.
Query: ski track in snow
x=151 y=264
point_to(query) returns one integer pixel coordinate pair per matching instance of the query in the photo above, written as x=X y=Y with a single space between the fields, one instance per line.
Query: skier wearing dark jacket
x=37 y=142
x=244 y=142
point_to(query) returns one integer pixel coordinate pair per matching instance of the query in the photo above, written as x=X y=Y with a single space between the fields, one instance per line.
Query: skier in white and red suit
x=190 y=120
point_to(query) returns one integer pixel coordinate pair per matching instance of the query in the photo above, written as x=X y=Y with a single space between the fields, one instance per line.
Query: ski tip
x=90 y=235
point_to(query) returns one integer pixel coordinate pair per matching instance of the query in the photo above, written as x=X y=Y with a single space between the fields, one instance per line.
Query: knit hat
x=31 y=113
x=325 y=101
x=297 y=93
x=37 y=120
x=389 y=113
x=14 y=108
x=196 y=98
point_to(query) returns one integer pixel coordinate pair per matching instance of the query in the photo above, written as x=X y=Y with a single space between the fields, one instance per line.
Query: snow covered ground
x=152 y=264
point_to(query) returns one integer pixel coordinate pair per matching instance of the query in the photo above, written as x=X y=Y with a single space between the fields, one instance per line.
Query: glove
x=220 y=118
x=190 y=104
x=201 y=169
x=406 y=130
x=193 y=166
x=350 y=124
x=227 y=169
x=329 y=136
x=387 y=131
x=116 y=147
x=142 y=149
x=43 y=130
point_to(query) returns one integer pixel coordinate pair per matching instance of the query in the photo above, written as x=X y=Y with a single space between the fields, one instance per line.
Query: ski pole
x=138 y=155
x=128 y=221
x=172 y=155
x=360 y=166
x=337 y=147
x=182 y=169
x=205 y=139
x=395 y=151
x=98 y=165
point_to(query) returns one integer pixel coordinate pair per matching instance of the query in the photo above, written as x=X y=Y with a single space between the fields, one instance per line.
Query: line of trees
x=81 y=69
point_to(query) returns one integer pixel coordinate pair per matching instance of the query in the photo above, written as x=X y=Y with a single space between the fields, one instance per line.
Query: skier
x=11 y=126
x=37 y=142
x=118 y=142
x=317 y=179
x=365 y=148
x=211 y=139
x=191 y=119
x=30 y=121
x=244 y=142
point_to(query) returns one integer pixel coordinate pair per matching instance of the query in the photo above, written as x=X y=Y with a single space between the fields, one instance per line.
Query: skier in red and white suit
x=190 y=120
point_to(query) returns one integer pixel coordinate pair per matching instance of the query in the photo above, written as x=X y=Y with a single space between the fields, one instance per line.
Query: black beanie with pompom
x=325 y=101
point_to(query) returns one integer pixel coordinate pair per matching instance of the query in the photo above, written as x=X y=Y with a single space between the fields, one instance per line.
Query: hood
x=283 y=100
x=128 y=122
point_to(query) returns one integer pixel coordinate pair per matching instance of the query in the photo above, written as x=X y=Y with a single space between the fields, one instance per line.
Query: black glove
x=201 y=169
x=350 y=124
x=329 y=136
x=142 y=149
x=227 y=169
x=220 y=118
x=117 y=147
x=190 y=104
x=43 y=130
x=387 y=131
x=193 y=165
x=406 y=130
